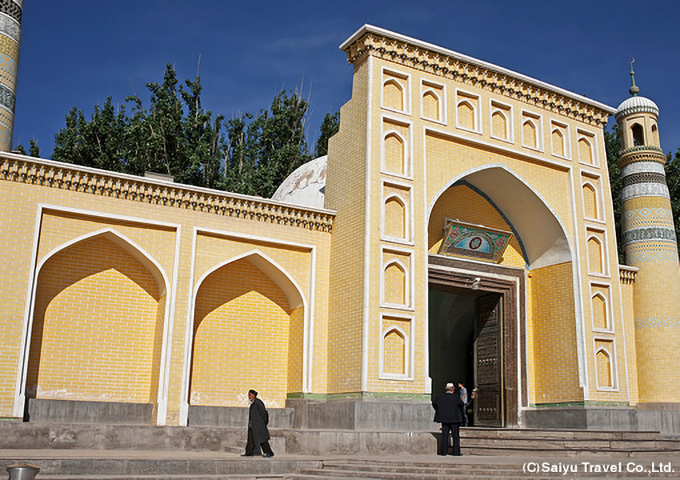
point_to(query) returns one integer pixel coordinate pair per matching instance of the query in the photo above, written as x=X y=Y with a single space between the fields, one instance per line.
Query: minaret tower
x=650 y=244
x=10 y=41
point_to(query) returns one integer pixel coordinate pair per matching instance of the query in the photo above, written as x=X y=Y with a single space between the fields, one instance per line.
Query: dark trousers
x=250 y=445
x=452 y=429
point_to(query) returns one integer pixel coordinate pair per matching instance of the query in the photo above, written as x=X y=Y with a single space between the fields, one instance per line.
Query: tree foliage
x=249 y=154
x=329 y=127
x=673 y=180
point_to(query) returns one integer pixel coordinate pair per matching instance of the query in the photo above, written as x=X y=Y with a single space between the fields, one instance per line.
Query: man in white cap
x=448 y=408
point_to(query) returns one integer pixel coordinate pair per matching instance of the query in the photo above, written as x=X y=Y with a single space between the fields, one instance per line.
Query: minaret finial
x=634 y=90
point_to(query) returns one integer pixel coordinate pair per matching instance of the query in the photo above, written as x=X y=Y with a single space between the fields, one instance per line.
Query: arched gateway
x=459 y=229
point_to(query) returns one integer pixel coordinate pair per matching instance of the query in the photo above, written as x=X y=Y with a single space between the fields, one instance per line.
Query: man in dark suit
x=258 y=433
x=449 y=412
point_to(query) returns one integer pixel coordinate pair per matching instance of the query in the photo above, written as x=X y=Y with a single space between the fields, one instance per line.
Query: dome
x=306 y=185
x=636 y=104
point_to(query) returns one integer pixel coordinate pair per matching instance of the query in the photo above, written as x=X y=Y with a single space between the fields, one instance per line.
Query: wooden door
x=488 y=404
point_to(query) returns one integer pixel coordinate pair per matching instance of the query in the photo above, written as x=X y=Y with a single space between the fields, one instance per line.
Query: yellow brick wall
x=553 y=357
x=241 y=338
x=346 y=193
x=96 y=314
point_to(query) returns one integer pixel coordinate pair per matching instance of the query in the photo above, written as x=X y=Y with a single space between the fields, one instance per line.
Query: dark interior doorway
x=476 y=335
x=466 y=347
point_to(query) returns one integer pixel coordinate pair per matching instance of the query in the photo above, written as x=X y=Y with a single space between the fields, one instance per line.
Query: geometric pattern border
x=10 y=27
x=654 y=322
x=649 y=233
x=644 y=190
x=647 y=255
x=648 y=217
x=12 y=9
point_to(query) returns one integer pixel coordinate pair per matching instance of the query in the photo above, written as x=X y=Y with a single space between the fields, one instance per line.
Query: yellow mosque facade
x=460 y=229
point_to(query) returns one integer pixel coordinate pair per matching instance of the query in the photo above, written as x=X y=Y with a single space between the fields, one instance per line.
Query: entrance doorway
x=474 y=322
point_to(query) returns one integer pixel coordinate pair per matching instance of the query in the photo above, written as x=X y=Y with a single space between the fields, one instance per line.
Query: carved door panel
x=488 y=404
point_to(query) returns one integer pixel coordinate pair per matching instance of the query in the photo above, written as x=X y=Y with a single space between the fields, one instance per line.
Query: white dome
x=306 y=185
x=636 y=105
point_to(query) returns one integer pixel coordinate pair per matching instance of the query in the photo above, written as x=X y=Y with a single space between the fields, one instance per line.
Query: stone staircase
x=569 y=443
x=376 y=468
x=134 y=452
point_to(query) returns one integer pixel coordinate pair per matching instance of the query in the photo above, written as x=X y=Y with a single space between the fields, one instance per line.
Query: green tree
x=673 y=180
x=281 y=145
x=176 y=136
x=33 y=149
x=329 y=127
x=612 y=142
x=96 y=143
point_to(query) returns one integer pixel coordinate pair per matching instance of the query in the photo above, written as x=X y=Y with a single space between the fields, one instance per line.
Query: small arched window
x=638 y=135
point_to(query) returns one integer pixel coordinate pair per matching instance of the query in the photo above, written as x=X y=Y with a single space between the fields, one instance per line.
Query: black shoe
x=268 y=455
x=247 y=455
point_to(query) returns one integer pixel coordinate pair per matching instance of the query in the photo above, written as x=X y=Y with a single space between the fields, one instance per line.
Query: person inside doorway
x=464 y=398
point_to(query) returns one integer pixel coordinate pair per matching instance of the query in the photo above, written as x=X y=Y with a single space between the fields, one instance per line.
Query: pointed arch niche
x=248 y=330
x=396 y=347
x=395 y=148
x=605 y=364
x=98 y=323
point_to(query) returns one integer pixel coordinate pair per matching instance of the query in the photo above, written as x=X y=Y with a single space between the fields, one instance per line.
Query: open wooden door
x=488 y=404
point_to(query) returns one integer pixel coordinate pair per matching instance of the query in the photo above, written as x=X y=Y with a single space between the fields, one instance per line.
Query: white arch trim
x=137 y=252
x=540 y=230
x=159 y=275
x=269 y=267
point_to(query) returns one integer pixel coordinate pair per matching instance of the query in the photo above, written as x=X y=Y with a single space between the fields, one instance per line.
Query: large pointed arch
x=150 y=265
x=543 y=237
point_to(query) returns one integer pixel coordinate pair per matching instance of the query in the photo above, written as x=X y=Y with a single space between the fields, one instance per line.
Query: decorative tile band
x=647 y=217
x=645 y=190
x=137 y=189
x=640 y=148
x=653 y=322
x=11 y=8
x=642 y=167
x=5 y=137
x=650 y=233
x=640 y=253
x=7 y=98
x=8 y=71
x=646 y=155
x=10 y=27
x=644 y=177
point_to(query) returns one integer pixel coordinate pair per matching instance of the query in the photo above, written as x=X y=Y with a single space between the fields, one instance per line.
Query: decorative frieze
x=645 y=154
x=138 y=189
x=430 y=61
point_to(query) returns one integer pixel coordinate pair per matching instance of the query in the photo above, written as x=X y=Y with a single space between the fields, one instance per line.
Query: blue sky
x=77 y=52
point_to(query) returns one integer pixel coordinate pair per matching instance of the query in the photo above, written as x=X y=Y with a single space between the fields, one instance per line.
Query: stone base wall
x=664 y=418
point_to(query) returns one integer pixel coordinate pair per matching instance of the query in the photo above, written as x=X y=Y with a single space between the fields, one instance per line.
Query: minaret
x=650 y=244
x=10 y=41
